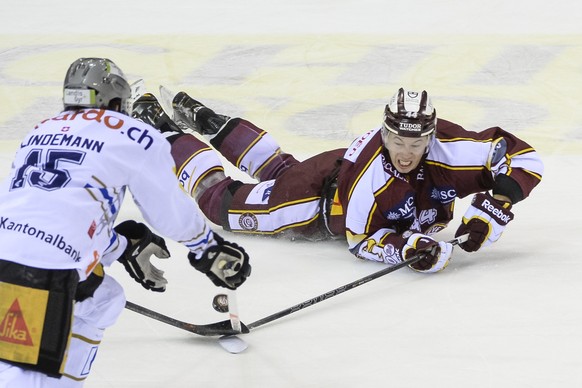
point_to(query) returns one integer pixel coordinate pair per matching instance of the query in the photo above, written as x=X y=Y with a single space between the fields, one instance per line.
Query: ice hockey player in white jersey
x=58 y=207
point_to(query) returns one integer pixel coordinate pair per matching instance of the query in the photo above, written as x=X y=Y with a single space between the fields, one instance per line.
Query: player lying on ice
x=58 y=207
x=386 y=193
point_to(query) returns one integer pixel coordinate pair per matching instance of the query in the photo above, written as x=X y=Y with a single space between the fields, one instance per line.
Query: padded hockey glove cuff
x=485 y=221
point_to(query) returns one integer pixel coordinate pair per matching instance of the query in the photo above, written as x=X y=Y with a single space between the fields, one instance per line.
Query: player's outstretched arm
x=390 y=247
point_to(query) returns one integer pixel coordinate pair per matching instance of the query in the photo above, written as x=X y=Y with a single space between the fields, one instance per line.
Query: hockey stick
x=211 y=329
x=346 y=287
x=225 y=327
x=233 y=311
x=233 y=343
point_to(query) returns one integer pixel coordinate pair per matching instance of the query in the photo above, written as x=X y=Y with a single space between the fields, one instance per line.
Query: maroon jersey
x=374 y=203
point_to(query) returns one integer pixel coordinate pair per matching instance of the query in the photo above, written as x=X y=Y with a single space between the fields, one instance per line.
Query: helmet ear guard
x=96 y=83
x=410 y=114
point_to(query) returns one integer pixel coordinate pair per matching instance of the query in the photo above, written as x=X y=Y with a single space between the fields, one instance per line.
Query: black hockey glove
x=226 y=263
x=142 y=243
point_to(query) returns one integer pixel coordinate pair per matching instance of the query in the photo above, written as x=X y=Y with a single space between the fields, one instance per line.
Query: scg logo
x=444 y=194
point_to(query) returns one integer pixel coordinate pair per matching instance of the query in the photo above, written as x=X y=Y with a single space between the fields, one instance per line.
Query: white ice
x=316 y=73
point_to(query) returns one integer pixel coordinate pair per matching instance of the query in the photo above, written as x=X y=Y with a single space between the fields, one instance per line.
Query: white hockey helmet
x=410 y=114
x=96 y=83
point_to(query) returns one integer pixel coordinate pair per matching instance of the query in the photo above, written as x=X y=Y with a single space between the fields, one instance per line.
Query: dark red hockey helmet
x=410 y=114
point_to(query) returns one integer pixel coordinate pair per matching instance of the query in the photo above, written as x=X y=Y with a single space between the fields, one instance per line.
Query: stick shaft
x=212 y=329
x=158 y=316
x=344 y=288
x=332 y=293
x=233 y=311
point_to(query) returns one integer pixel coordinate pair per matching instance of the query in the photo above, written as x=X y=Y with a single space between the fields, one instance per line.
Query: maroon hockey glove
x=436 y=254
x=484 y=221
x=419 y=243
x=225 y=263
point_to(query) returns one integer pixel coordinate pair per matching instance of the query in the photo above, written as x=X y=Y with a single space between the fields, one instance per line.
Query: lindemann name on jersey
x=73 y=170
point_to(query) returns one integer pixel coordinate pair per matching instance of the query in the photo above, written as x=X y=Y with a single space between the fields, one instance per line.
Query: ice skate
x=193 y=115
x=148 y=109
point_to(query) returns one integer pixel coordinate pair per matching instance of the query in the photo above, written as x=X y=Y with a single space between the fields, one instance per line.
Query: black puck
x=220 y=303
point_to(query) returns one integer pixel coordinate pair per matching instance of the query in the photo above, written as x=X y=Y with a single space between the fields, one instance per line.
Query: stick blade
x=233 y=344
x=218 y=328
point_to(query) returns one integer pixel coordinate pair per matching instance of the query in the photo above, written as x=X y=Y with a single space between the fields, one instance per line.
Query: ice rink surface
x=316 y=74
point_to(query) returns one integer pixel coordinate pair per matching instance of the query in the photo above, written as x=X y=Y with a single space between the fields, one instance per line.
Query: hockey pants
x=90 y=319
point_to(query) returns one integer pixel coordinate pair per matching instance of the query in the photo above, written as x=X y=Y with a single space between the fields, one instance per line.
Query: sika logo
x=13 y=327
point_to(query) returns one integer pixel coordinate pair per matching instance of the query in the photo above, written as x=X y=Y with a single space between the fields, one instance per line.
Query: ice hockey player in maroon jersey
x=386 y=194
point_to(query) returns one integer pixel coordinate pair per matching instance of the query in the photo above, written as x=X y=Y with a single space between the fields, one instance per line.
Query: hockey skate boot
x=148 y=109
x=193 y=115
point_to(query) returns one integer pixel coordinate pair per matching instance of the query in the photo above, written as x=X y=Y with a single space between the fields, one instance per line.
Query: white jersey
x=68 y=179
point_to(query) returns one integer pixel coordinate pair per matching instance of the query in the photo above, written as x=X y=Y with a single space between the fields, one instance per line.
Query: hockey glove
x=225 y=263
x=142 y=243
x=485 y=221
x=436 y=254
